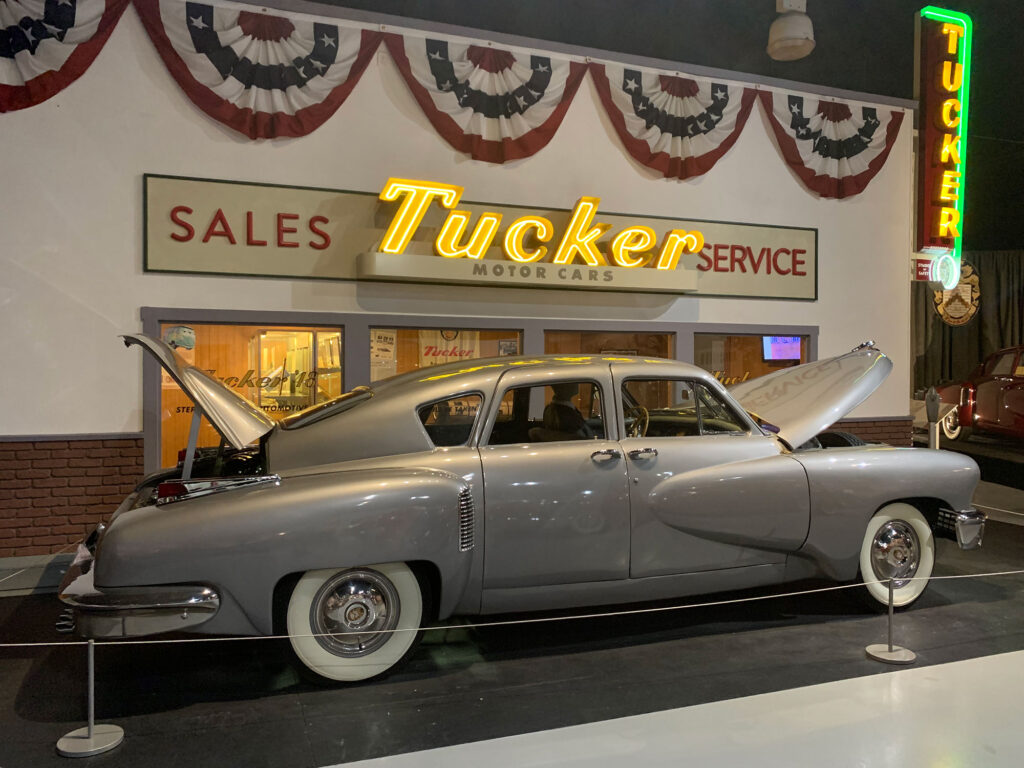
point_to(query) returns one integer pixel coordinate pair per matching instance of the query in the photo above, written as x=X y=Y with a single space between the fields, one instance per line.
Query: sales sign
x=943 y=86
x=425 y=231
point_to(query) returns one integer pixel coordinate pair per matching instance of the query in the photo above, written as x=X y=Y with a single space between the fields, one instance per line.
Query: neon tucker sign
x=530 y=238
x=944 y=78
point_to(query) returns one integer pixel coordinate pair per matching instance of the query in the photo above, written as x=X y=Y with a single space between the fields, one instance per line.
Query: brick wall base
x=52 y=493
x=891 y=431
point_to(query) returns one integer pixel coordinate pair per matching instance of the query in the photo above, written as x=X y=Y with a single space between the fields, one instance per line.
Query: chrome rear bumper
x=132 y=611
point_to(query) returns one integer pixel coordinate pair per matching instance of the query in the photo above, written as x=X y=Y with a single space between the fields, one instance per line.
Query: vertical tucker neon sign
x=943 y=86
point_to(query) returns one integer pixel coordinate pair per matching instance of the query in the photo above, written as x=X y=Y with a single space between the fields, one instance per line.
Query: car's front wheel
x=898 y=545
x=355 y=623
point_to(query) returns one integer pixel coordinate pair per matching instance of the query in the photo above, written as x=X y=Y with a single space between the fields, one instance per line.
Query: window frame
x=492 y=421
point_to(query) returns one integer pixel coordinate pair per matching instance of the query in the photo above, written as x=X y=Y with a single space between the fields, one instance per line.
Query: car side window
x=450 y=422
x=1002 y=365
x=675 y=408
x=716 y=417
x=569 y=410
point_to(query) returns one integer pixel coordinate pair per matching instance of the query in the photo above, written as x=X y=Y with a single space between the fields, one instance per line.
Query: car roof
x=481 y=373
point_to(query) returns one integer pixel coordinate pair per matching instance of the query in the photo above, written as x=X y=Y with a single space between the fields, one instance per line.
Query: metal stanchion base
x=898 y=655
x=78 y=744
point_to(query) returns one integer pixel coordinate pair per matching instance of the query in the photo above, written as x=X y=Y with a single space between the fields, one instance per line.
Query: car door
x=1012 y=416
x=556 y=503
x=708 y=490
x=989 y=398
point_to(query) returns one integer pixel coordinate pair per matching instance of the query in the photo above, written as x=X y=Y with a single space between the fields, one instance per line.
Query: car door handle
x=608 y=454
x=643 y=453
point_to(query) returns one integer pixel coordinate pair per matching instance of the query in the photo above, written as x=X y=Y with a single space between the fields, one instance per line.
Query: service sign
x=943 y=86
x=425 y=231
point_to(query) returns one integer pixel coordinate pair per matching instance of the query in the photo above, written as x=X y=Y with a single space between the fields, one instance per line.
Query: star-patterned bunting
x=492 y=104
x=834 y=148
x=265 y=76
x=677 y=125
x=45 y=45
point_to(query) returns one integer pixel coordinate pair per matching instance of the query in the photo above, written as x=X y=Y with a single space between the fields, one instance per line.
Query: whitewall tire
x=898 y=543
x=360 y=608
x=951 y=425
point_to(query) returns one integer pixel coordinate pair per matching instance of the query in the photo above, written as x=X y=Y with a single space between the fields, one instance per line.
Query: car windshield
x=327 y=408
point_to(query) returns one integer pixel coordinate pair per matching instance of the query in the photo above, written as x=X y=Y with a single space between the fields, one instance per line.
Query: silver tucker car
x=511 y=484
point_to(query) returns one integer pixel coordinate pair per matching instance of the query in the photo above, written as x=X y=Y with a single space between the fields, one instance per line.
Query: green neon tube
x=962 y=20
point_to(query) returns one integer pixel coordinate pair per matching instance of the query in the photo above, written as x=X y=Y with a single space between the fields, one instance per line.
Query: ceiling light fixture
x=791 y=35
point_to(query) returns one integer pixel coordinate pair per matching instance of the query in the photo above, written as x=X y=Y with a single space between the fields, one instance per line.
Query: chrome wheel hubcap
x=895 y=553
x=353 y=611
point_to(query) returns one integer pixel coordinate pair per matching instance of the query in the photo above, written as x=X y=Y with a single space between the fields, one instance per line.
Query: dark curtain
x=949 y=353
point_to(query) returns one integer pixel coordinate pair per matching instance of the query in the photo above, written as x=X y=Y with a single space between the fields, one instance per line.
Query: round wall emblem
x=958 y=305
x=449 y=335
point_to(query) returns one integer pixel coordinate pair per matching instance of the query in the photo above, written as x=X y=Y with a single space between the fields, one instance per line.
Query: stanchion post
x=93 y=739
x=890 y=620
x=890 y=654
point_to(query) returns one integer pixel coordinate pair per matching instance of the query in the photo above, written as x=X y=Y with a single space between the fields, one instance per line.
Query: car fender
x=244 y=541
x=849 y=485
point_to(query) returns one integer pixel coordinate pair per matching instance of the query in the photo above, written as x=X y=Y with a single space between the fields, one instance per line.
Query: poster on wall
x=444 y=346
x=182 y=339
x=382 y=353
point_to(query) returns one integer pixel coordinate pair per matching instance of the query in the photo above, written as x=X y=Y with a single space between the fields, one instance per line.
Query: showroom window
x=552 y=413
x=609 y=343
x=400 y=350
x=450 y=422
x=282 y=369
x=675 y=408
x=732 y=358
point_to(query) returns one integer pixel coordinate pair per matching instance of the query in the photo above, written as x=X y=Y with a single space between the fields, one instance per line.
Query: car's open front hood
x=804 y=400
x=239 y=421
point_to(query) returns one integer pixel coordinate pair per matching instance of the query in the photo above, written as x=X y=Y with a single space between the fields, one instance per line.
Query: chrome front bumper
x=969 y=525
x=132 y=611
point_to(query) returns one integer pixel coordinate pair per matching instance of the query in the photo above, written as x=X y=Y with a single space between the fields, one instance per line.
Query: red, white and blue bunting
x=284 y=75
x=678 y=126
x=493 y=104
x=265 y=76
x=47 y=44
x=834 y=149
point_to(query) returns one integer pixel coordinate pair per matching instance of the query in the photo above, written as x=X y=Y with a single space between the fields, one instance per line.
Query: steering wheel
x=641 y=418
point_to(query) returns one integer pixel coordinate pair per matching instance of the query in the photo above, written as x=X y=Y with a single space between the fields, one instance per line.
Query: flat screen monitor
x=780 y=347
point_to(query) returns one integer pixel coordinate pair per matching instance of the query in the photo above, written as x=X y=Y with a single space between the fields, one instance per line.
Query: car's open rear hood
x=804 y=400
x=239 y=421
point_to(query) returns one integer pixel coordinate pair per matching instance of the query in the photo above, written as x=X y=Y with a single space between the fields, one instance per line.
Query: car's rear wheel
x=355 y=623
x=898 y=545
x=951 y=425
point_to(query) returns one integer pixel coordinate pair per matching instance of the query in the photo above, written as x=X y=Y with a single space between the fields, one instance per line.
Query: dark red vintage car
x=991 y=400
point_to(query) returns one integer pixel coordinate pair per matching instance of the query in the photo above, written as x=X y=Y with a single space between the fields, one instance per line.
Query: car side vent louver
x=465 y=520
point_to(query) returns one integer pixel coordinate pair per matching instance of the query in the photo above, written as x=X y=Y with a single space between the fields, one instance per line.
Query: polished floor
x=958 y=715
x=780 y=681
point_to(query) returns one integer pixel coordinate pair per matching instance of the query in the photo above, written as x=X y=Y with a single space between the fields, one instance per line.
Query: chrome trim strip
x=206 y=487
x=466 y=522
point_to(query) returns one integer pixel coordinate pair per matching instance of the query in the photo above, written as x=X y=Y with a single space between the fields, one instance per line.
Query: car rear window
x=450 y=422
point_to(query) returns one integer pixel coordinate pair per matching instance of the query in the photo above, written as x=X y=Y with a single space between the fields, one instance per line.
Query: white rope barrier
x=30 y=567
x=516 y=622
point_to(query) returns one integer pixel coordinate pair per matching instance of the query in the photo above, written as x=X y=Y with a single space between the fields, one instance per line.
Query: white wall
x=71 y=236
